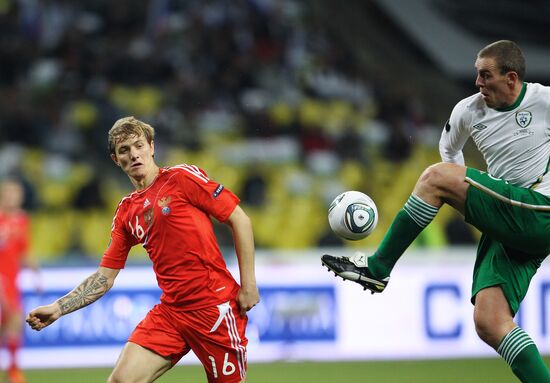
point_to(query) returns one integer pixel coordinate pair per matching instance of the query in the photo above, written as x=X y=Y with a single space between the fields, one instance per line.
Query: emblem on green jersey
x=479 y=126
x=523 y=118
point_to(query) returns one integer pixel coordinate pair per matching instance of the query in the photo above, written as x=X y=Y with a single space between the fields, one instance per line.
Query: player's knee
x=115 y=377
x=487 y=330
x=433 y=178
x=441 y=177
x=482 y=330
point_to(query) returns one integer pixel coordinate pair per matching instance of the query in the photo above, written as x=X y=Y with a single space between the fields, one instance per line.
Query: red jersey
x=14 y=243
x=171 y=219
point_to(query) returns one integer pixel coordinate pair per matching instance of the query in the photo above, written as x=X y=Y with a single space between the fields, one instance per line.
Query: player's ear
x=511 y=78
x=115 y=160
x=153 y=149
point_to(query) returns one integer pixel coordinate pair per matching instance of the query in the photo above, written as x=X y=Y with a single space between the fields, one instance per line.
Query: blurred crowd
x=256 y=92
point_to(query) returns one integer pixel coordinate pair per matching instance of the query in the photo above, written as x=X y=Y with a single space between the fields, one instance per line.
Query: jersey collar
x=517 y=102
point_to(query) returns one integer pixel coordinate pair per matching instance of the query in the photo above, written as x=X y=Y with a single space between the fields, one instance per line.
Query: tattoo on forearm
x=89 y=291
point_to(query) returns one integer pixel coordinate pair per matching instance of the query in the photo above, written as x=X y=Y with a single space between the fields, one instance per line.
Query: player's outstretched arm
x=89 y=291
x=244 y=247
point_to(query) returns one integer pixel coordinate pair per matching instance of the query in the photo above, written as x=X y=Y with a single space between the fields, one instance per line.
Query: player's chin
x=136 y=172
x=488 y=101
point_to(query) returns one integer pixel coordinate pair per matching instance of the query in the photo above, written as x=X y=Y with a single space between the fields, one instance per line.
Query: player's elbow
x=239 y=219
x=108 y=276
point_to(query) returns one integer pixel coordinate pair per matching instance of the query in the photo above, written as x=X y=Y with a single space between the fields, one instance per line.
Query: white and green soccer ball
x=352 y=215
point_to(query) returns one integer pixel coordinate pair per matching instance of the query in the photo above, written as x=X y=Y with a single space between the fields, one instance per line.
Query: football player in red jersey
x=202 y=308
x=14 y=242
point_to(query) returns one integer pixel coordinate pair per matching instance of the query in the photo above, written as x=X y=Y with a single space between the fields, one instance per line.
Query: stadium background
x=286 y=102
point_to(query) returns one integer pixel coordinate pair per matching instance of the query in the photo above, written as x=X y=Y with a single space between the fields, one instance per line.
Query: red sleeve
x=120 y=244
x=209 y=196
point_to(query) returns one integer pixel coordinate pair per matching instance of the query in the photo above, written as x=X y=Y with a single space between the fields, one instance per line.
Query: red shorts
x=215 y=334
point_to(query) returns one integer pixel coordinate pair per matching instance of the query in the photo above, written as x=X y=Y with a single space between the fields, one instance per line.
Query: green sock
x=521 y=353
x=409 y=222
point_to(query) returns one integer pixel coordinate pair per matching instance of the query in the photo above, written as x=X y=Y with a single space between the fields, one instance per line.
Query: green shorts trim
x=495 y=194
x=515 y=223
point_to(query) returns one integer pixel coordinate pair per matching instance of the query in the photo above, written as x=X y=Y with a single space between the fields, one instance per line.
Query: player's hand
x=43 y=316
x=248 y=298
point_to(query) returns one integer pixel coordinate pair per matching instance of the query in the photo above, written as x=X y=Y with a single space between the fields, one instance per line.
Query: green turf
x=448 y=371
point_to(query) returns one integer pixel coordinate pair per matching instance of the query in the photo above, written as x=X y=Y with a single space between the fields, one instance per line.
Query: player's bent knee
x=431 y=179
x=116 y=377
x=120 y=377
x=442 y=177
x=483 y=330
x=487 y=330
x=113 y=379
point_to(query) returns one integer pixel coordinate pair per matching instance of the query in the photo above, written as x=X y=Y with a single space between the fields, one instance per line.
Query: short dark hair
x=507 y=55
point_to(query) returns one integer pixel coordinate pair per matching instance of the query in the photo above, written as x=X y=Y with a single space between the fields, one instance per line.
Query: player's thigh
x=492 y=308
x=510 y=269
x=11 y=309
x=156 y=337
x=138 y=364
x=14 y=320
x=217 y=337
x=515 y=216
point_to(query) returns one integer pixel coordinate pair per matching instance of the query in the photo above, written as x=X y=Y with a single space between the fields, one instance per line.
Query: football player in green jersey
x=509 y=121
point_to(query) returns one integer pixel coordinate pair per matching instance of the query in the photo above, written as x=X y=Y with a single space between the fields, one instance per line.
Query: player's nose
x=479 y=81
x=134 y=153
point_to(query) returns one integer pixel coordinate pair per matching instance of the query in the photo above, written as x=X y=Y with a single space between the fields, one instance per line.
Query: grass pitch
x=425 y=371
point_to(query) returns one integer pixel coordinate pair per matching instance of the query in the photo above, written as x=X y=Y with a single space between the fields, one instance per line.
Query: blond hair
x=128 y=127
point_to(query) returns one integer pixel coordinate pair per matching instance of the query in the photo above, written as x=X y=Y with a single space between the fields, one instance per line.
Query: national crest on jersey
x=523 y=118
x=164 y=203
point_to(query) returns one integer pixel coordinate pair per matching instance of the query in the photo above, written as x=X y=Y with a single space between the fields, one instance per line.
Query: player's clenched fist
x=247 y=298
x=43 y=316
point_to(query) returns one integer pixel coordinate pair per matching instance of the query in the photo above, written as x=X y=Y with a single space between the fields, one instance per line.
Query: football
x=352 y=215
